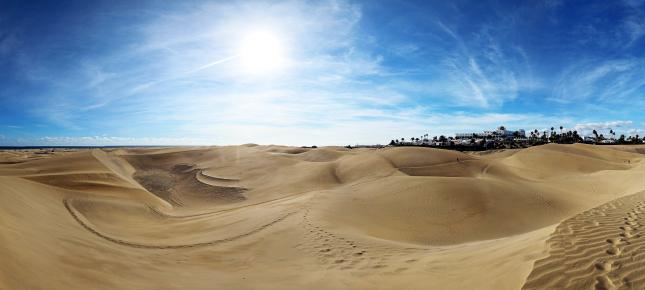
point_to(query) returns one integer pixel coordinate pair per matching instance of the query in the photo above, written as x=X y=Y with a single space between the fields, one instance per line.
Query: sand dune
x=600 y=248
x=258 y=217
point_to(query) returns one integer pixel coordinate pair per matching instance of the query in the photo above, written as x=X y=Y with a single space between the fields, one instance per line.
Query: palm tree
x=576 y=137
x=595 y=133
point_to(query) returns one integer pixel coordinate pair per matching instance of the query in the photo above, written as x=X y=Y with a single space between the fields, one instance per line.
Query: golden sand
x=274 y=217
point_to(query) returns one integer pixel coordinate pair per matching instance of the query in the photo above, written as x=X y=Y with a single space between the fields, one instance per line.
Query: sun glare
x=262 y=52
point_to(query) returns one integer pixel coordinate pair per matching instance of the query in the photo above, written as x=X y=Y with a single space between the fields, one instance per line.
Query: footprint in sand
x=619 y=226
x=604 y=283
x=359 y=253
x=604 y=266
x=632 y=223
x=615 y=251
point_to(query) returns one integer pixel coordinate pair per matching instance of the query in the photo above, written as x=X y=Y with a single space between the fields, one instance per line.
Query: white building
x=500 y=133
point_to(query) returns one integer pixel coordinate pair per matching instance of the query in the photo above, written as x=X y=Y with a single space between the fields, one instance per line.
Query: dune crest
x=254 y=216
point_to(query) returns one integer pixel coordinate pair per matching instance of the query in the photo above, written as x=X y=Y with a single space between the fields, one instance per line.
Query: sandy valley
x=274 y=217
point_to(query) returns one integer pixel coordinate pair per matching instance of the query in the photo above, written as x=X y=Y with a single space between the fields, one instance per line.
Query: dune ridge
x=86 y=224
x=255 y=216
x=601 y=248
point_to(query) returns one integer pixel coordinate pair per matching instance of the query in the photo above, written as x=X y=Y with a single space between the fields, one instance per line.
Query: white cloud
x=633 y=24
x=195 y=38
x=606 y=81
x=173 y=69
x=337 y=88
x=482 y=71
x=347 y=127
x=635 y=131
x=587 y=128
x=114 y=141
x=604 y=125
x=364 y=126
x=635 y=28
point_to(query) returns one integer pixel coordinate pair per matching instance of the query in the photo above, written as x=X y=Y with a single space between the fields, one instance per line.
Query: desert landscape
x=323 y=145
x=275 y=217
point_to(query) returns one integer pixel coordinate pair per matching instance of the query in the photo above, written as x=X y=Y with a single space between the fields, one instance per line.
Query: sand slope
x=601 y=248
x=258 y=217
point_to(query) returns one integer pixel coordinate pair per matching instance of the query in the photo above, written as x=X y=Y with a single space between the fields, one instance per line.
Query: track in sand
x=601 y=248
x=258 y=217
x=107 y=237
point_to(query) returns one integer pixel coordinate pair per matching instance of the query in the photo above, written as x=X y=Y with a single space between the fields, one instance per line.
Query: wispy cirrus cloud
x=185 y=52
x=353 y=72
x=605 y=81
x=483 y=69
x=633 y=24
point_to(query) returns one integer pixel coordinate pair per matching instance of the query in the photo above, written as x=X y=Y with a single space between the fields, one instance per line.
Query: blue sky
x=320 y=72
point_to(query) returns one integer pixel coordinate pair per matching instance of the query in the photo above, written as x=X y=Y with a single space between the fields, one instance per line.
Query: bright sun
x=262 y=52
